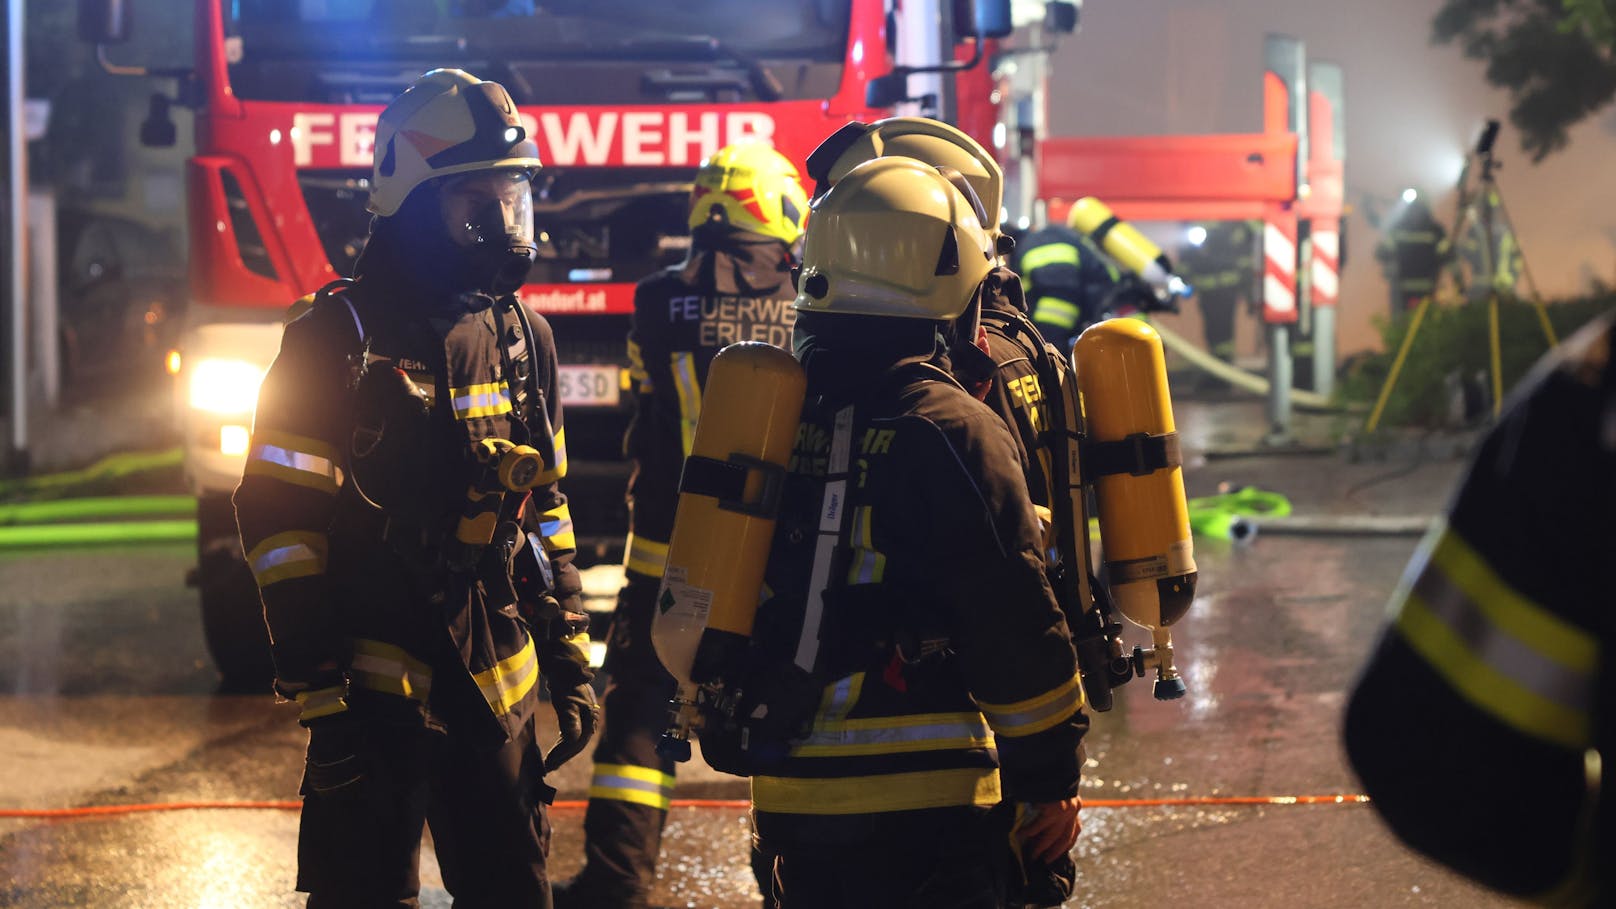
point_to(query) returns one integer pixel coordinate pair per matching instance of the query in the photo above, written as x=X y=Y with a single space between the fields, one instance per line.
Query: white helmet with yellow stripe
x=447 y=122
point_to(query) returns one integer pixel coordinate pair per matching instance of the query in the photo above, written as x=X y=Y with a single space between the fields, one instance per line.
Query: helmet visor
x=489 y=208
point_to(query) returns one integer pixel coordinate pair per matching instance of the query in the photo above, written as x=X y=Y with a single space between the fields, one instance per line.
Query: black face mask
x=488 y=218
x=498 y=260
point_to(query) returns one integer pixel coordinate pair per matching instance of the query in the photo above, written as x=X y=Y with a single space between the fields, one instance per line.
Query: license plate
x=588 y=386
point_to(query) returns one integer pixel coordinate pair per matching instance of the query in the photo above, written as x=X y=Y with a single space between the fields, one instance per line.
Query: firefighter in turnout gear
x=1070 y=283
x=906 y=582
x=746 y=214
x=1496 y=663
x=1222 y=270
x=401 y=514
x=1412 y=254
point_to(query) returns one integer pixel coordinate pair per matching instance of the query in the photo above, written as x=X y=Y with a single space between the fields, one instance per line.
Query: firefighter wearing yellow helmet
x=414 y=586
x=746 y=215
x=904 y=582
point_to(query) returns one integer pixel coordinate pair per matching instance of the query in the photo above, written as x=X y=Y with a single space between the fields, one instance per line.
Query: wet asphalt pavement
x=107 y=697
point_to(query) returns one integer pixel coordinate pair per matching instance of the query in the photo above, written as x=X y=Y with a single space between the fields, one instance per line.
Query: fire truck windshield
x=543 y=51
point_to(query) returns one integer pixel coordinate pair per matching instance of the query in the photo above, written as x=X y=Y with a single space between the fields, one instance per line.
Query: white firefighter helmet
x=930 y=141
x=898 y=238
x=447 y=122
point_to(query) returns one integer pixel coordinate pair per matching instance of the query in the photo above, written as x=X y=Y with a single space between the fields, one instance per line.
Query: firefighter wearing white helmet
x=1027 y=383
x=400 y=510
x=904 y=581
x=746 y=215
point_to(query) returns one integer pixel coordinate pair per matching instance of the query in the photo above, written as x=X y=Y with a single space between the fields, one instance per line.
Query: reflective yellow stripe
x=320 y=702
x=896 y=735
x=1035 y=714
x=862 y=533
x=628 y=783
x=1050 y=254
x=389 y=668
x=1057 y=312
x=293 y=459
x=867 y=566
x=555 y=530
x=486 y=399
x=637 y=372
x=873 y=794
x=508 y=681
x=689 y=390
x=1540 y=629
x=645 y=556
x=293 y=554
x=552 y=473
x=838 y=699
x=1506 y=655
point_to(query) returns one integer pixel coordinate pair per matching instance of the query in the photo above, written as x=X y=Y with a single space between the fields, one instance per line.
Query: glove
x=337 y=764
x=578 y=716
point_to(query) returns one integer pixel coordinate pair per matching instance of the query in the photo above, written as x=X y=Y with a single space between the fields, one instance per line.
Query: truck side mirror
x=992 y=18
x=104 y=21
x=887 y=90
x=1062 y=18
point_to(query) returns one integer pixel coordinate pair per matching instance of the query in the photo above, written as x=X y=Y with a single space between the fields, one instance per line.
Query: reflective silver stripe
x=896 y=735
x=280 y=556
x=555 y=527
x=483 y=403
x=1035 y=714
x=868 y=567
x=293 y=460
x=1517 y=660
x=399 y=676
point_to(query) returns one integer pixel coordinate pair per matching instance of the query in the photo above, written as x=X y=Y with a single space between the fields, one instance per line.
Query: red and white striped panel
x=1279 y=271
x=1326 y=266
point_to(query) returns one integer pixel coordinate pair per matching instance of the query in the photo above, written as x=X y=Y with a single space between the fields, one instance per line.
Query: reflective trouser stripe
x=689 y=390
x=645 y=556
x=505 y=683
x=1035 y=714
x=879 y=793
x=1057 y=312
x=628 y=783
x=293 y=459
x=293 y=554
x=1510 y=657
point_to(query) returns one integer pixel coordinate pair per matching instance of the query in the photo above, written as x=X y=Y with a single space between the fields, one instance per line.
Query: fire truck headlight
x=225 y=386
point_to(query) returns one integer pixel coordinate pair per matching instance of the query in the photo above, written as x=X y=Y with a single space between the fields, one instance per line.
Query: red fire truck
x=625 y=98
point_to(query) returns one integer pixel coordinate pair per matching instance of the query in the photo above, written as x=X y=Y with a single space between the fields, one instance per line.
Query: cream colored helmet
x=447 y=122
x=897 y=238
x=931 y=141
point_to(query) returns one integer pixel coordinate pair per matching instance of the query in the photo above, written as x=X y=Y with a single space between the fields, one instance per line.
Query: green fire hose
x=108 y=468
x=100 y=508
x=98 y=534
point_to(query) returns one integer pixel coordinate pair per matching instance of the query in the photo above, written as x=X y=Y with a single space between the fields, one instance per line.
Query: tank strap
x=834 y=523
x=726 y=482
x=1140 y=455
x=337 y=290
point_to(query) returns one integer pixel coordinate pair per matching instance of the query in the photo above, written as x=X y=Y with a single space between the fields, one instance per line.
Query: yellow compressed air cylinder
x=1123 y=242
x=728 y=495
x=1144 y=520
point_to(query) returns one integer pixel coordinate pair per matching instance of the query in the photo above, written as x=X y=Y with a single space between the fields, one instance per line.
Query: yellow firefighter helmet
x=447 y=122
x=752 y=187
x=898 y=238
x=931 y=141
